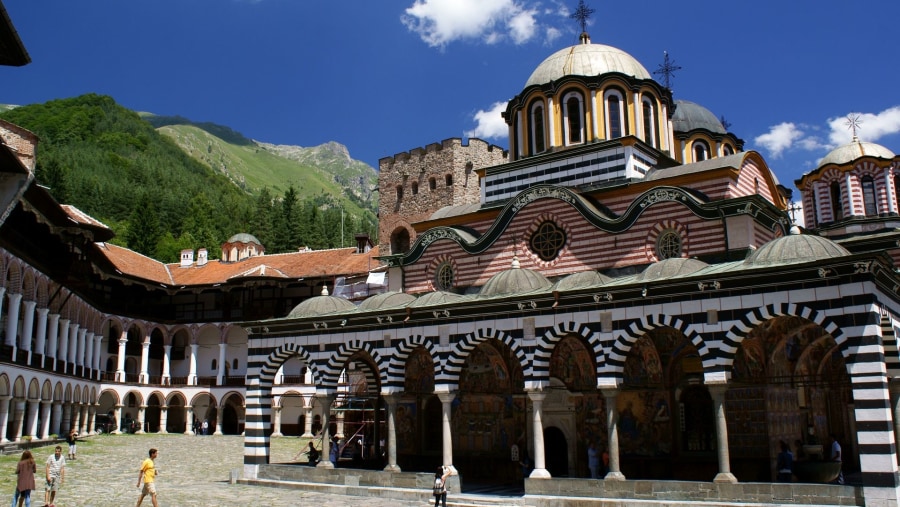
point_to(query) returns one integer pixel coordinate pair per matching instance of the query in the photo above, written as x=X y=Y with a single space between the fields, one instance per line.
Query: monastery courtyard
x=194 y=472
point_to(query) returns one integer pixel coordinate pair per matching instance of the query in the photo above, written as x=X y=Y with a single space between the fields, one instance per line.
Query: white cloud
x=490 y=124
x=872 y=126
x=779 y=138
x=439 y=22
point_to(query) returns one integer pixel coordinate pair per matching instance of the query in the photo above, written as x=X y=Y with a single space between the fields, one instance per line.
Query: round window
x=443 y=279
x=547 y=241
x=668 y=245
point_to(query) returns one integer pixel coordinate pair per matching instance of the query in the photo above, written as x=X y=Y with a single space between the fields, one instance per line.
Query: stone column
x=188 y=415
x=52 y=335
x=66 y=421
x=73 y=343
x=276 y=421
x=55 y=417
x=98 y=339
x=12 y=318
x=79 y=352
x=40 y=338
x=27 y=325
x=89 y=353
x=32 y=426
x=327 y=400
x=220 y=412
x=537 y=428
x=83 y=423
x=145 y=358
x=339 y=425
x=391 y=401
x=4 y=417
x=140 y=419
x=446 y=432
x=307 y=421
x=192 y=360
x=2 y=293
x=76 y=416
x=120 y=358
x=62 y=342
x=166 y=375
x=92 y=414
x=117 y=420
x=612 y=423
x=163 y=419
x=220 y=375
x=717 y=391
x=45 y=419
x=19 y=418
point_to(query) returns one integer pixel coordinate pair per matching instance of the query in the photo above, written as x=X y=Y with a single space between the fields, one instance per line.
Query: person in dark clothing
x=785 y=463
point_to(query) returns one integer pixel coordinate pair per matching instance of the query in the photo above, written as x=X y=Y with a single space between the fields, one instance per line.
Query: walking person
x=440 y=486
x=594 y=461
x=55 y=472
x=205 y=427
x=72 y=439
x=785 y=463
x=836 y=455
x=148 y=473
x=25 y=480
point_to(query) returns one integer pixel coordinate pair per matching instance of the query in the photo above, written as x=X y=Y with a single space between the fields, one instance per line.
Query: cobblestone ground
x=194 y=472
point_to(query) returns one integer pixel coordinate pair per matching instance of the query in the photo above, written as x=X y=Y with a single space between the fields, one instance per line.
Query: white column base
x=725 y=477
x=325 y=464
x=614 y=476
x=540 y=473
x=392 y=468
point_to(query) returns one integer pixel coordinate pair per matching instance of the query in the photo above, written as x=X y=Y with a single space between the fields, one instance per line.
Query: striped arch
x=548 y=341
x=449 y=376
x=331 y=372
x=396 y=373
x=271 y=365
x=889 y=339
x=615 y=363
x=757 y=316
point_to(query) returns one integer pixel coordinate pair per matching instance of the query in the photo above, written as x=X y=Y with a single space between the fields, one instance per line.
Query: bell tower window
x=701 y=151
x=614 y=114
x=648 y=113
x=837 y=207
x=537 y=129
x=574 y=123
x=868 y=188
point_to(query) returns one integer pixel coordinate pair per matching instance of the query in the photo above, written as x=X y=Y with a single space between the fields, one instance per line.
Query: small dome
x=668 y=268
x=689 y=116
x=243 y=237
x=438 y=297
x=386 y=300
x=512 y=281
x=581 y=280
x=795 y=248
x=586 y=60
x=853 y=150
x=320 y=305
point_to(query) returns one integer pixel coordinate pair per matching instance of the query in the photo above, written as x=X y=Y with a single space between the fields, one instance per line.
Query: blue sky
x=382 y=77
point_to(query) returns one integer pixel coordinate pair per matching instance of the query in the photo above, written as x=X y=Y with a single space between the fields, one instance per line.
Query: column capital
x=718 y=389
x=390 y=398
x=537 y=396
x=446 y=397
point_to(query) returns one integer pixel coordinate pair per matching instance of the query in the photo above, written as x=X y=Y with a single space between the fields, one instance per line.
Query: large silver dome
x=586 y=60
x=853 y=150
x=795 y=248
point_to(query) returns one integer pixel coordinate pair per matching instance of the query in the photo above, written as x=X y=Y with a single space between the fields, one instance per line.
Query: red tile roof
x=296 y=265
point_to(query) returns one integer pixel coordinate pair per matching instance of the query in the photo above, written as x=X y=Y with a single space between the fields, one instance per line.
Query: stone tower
x=413 y=185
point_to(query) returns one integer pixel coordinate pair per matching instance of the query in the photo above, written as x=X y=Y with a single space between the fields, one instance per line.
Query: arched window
x=448 y=179
x=573 y=121
x=614 y=114
x=648 y=114
x=214 y=366
x=727 y=150
x=837 y=208
x=399 y=193
x=701 y=151
x=234 y=364
x=537 y=129
x=815 y=207
x=414 y=187
x=432 y=184
x=400 y=241
x=868 y=189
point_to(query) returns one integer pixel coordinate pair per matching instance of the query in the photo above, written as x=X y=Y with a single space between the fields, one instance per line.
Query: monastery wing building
x=625 y=275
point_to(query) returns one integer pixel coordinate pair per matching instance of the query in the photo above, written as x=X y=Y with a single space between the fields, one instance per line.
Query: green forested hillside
x=110 y=163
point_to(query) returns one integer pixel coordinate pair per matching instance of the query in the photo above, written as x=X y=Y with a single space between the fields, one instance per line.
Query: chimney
x=202 y=257
x=187 y=257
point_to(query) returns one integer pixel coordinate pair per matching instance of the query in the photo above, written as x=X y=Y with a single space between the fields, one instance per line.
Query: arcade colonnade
x=860 y=331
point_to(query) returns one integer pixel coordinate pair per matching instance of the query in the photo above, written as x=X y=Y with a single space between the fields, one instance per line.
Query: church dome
x=243 y=237
x=689 y=116
x=586 y=60
x=795 y=248
x=581 y=280
x=320 y=305
x=393 y=299
x=437 y=297
x=668 y=268
x=512 y=281
x=853 y=150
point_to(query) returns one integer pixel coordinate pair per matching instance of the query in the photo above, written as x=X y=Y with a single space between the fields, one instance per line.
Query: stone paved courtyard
x=194 y=471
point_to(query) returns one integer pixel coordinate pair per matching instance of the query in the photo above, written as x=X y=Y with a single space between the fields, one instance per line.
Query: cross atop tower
x=667 y=70
x=582 y=14
x=853 y=123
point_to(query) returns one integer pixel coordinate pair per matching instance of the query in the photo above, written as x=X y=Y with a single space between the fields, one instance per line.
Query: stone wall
x=422 y=175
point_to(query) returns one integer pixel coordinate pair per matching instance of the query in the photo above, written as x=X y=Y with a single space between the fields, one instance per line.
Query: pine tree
x=143 y=229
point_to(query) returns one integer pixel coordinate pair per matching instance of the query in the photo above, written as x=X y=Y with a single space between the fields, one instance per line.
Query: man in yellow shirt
x=148 y=473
